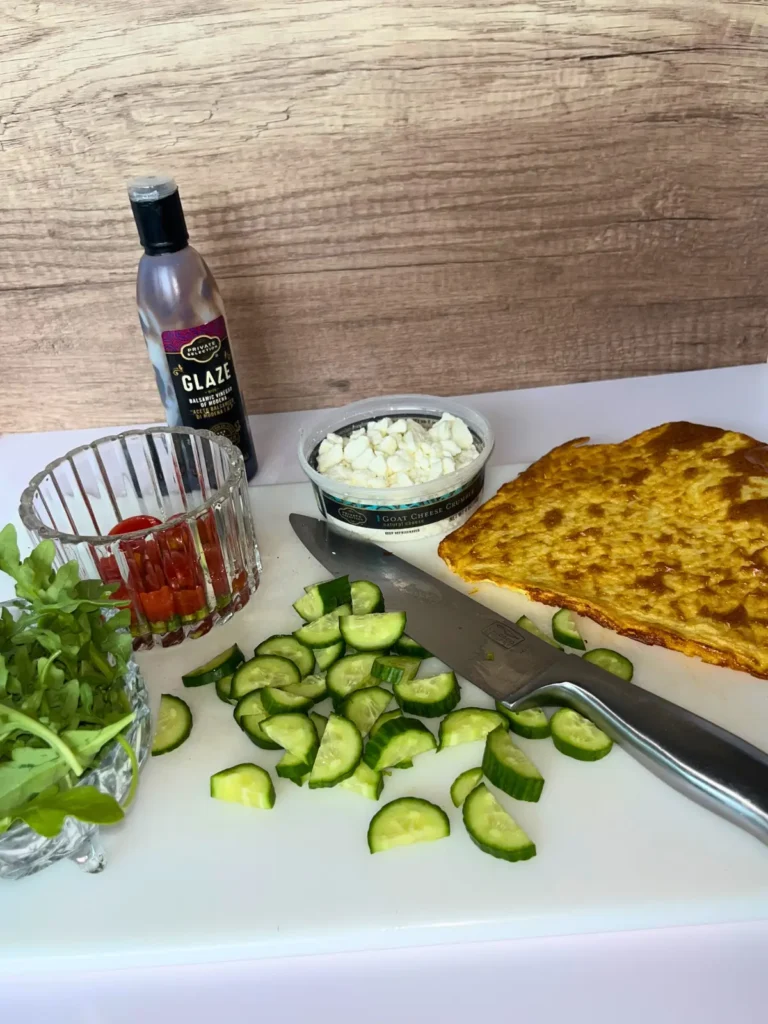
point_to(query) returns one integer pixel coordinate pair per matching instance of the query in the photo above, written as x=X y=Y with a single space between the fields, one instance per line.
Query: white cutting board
x=190 y=879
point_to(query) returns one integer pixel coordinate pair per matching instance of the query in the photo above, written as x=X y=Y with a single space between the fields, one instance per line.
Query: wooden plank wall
x=394 y=194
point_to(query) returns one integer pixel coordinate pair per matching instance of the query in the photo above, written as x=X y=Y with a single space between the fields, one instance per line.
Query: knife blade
x=707 y=763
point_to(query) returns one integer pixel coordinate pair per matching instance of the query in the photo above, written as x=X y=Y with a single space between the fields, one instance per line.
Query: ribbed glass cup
x=196 y=567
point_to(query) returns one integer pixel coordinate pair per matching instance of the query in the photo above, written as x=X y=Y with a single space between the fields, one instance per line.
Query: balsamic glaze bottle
x=182 y=317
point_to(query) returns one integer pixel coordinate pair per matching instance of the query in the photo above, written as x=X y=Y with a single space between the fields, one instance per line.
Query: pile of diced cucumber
x=351 y=650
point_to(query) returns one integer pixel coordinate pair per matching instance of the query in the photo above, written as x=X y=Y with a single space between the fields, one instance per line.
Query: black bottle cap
x=158 y=214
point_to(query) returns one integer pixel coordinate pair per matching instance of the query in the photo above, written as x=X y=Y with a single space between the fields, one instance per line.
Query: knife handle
x=710 y=765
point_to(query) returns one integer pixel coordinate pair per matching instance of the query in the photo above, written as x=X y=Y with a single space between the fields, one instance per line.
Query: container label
x=203 y=375
x=400 y=518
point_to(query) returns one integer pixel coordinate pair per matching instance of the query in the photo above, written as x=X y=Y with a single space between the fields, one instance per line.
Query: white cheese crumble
x=397 y=453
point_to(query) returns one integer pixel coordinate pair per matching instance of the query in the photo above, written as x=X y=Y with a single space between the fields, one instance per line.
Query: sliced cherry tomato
x=133 y=523
x=149 y=567
x=189 y=603
x=165 y=579
x=157 y=604
x=209 y=538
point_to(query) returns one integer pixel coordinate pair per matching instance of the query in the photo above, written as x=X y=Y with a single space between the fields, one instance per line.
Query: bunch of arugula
x=62 y=697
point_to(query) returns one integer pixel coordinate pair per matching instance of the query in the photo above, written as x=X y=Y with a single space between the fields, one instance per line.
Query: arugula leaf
x=94 y=590
x=62 y=703
x=86 y=743
x=37 y=566
x=7 y=730
x=36 y=728
x=63 y=656
x=86 y=700
x=33 y=755
x=23 y=669
x=46 y=814
x=66 y=579
x=30 y=703
x=9 y=552
x=33 y=575
x=46 y=666
x=19 y=782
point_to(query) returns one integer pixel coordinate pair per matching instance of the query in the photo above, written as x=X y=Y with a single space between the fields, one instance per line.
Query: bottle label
x=404 y=522
x=203 y=375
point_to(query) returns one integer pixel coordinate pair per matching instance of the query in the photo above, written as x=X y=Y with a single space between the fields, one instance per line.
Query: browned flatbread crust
x=663 y=537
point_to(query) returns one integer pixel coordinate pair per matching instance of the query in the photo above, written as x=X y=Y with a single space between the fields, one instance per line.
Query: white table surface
x=668 y=975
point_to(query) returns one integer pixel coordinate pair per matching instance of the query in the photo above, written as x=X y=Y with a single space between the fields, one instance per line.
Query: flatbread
x=663 y=537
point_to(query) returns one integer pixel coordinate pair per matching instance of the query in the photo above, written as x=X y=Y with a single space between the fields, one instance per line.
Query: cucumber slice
x=340 y=751
x=325 y=631
x=309 y=606
x=565 y=630
x=577 y=737
x=492 y=829
x=429 y=698
x=388 y=716
x=223 y=664
x=364 y=707
x=294 y=733
x=252 y=727
x=507 y=767
x=292 y=767
x=405 y=645
x=466 y=726
x=264 y=670
x=464 y=784
x=249 y=714
x=400 y=739
x=372 y=632
x=174 y=724
x=611 y=661
x=366 y=598
x=530 y=627
x=313 y=687
x=245 y=784
x=321 y=598
x=348 y=674
x=325 y=656
x=281 y=702
x=394 y=668
x=288 y=646
x=531 y=723
x=407 y=821
x=224 y=689
x=337 y=590
x=383 y=719
x=250 y=704
x=319 y=722
x=365 y=782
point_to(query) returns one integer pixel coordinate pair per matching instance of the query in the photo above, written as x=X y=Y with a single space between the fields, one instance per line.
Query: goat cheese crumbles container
x=397 y=468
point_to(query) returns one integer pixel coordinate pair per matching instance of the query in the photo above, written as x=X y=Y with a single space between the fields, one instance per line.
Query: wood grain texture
x=445 y=197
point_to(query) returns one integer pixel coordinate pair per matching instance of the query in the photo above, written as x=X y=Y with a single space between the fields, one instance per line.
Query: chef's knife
x=706 y=763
